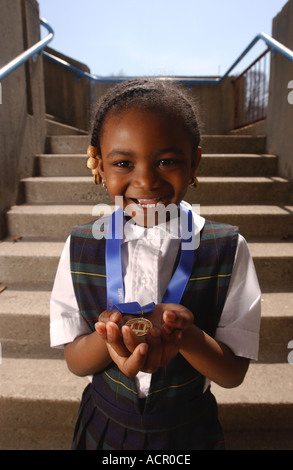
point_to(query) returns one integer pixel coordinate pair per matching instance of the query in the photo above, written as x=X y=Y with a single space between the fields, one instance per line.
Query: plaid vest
x=204 y=295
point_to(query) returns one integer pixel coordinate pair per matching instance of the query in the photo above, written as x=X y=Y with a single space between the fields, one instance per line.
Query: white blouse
x=147 y=263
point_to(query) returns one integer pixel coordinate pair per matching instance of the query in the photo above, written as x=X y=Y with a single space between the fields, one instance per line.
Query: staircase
x=39 y=397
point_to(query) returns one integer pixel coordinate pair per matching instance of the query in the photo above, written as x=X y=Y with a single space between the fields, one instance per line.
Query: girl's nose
x=145 y=178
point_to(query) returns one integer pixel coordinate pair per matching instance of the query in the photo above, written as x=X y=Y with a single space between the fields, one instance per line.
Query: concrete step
x=54 y=127
x=259 y=409
x=27 y=263
x=276 y=329
x=226 y=190
x=209 y=143
x=211 y=165
x=254 y=221
x=258 y=440
x=48 y=222
x=24 y=325
x=39 y=401
x=36 y=262
x=55 y=222
x=63 y=190
x=274 y=264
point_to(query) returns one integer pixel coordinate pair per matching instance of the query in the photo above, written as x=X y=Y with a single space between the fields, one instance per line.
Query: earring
x=96 y=176
x=92 y=163
x=194 y=182
x=104 y=184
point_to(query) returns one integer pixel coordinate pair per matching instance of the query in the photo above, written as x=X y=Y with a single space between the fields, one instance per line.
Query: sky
x=158 y=37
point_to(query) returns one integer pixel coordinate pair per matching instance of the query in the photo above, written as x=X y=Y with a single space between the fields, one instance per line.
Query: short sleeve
x=240 y=321
x=66 y=323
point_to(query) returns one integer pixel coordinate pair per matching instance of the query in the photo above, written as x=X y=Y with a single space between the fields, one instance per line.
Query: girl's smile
x=146 y=157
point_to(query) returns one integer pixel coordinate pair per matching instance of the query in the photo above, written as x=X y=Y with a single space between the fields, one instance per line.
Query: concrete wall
x=22 y=111
x=68 y=95
x=280 y=111
x=216 y=106
x=71 y=99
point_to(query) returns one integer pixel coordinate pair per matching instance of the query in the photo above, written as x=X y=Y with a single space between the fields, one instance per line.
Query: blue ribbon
x=115 y=288
x=134 y=308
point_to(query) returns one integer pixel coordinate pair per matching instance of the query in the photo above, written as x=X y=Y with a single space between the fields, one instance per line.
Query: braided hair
x=150 y=94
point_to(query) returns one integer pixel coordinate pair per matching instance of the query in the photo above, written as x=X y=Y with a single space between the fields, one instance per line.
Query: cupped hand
x=130 y=363
x=148 y=353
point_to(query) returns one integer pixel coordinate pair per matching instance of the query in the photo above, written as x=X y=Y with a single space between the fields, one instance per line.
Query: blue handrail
x=32 y=51
x=272 y=44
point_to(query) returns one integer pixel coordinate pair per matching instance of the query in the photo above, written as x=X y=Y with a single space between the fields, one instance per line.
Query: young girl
x=192 y=294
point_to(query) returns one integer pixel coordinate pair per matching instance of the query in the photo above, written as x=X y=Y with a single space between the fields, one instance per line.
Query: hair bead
x=92 y=151
x=92 y=163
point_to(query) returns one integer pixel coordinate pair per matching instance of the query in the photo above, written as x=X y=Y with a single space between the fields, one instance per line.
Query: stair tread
x=46 y=379
x=31 y=221
x=220 y=164
x=227 y=190
x=34 y=302
x=31 y=248
x=271 y=249
x=52 y=209
x=53 y=248
x=204 y=155
x=260 y=386
x=240 y=155
x=25 y=302
x=209 y=143
x=217 y=179
x=269 y=209
x=34 y=382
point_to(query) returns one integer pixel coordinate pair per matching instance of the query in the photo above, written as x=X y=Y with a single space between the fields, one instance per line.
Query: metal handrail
x=272 y=44
x=32 y=51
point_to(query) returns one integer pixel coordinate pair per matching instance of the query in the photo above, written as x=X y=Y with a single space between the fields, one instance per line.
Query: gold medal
x=140 y=326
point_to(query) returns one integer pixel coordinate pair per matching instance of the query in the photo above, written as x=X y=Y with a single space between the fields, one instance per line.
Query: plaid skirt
x=102 y=425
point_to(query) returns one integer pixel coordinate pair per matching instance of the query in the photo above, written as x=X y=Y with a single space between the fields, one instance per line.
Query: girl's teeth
x=148 y=206
x=148 y=203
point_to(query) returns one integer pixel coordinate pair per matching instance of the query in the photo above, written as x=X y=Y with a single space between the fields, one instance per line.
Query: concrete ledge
x=36 y=262
x=55 y=222
x=43 y=395
x=81 y=190
x=24 y=325
x=210 y=165
x=209 y=143
x=57 y=128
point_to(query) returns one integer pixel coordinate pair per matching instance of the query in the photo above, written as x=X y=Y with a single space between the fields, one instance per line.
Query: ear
x=100 y=166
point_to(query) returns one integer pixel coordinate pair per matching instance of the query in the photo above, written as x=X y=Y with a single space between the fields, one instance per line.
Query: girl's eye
x=167 y=162
x=123 y=164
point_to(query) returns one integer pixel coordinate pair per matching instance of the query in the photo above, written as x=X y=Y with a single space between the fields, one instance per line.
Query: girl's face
x=146 y=158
